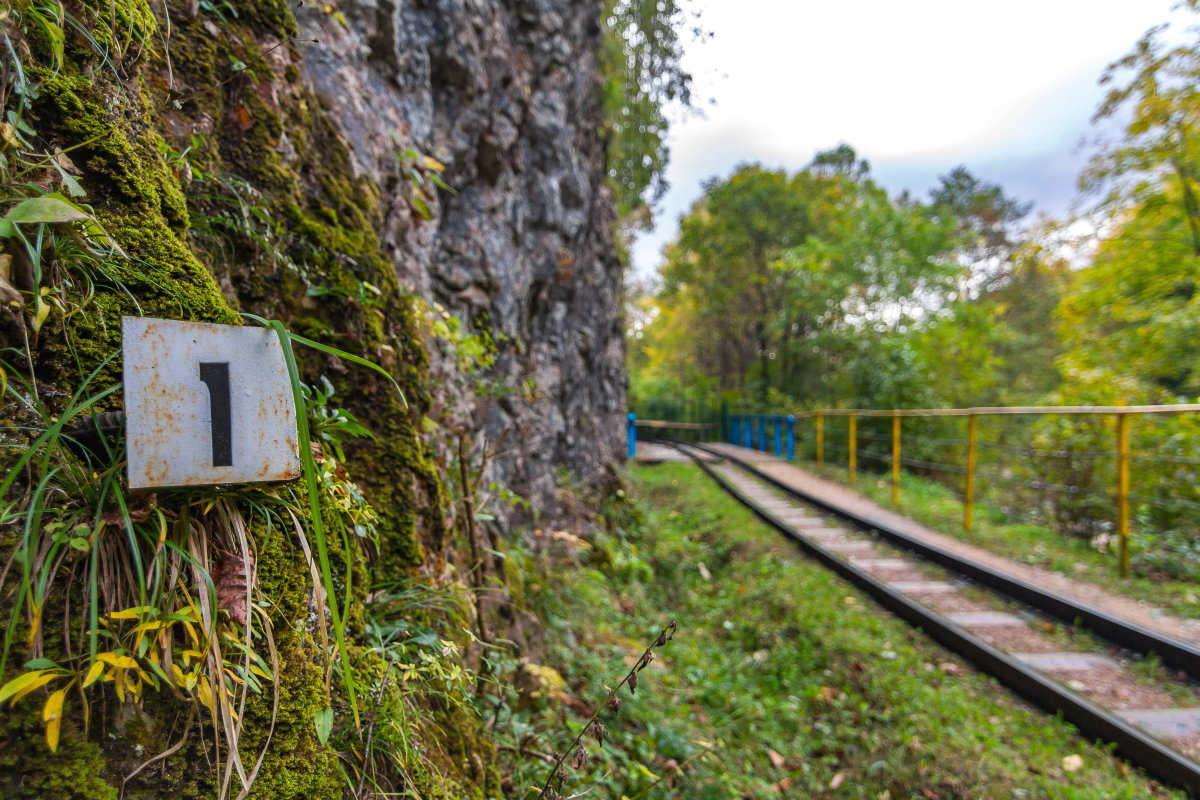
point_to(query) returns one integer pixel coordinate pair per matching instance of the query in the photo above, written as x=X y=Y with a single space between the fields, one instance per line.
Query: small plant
x=424 y=176
x=575 y=753
x=412 y=660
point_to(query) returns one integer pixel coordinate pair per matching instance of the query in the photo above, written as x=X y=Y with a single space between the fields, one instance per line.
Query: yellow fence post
x=853 y=446
x=1123 y=490
x=896 y=459
x=820 y=440
x=969 y=489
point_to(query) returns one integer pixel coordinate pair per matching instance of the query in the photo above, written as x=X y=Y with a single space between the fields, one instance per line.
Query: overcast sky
x=916 y=87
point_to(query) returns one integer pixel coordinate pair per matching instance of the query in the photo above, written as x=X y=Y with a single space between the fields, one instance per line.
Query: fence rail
x=1078 y=470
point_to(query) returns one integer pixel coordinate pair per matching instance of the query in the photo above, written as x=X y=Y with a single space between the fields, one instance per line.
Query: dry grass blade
x=183 y=737
x=318 y=600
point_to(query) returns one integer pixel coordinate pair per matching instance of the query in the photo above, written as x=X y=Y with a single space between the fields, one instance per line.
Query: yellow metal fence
x=817 y=422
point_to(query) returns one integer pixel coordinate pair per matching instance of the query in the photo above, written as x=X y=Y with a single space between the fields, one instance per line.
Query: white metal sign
x=206 y=404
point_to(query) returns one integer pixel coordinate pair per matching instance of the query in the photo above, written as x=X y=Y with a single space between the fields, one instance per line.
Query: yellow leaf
x=152 y=625
x=133 y=682
x=432 y=164
x=35 y=625
x=120 y=662
x=41 y=311
x=22 y=685
x=96 y=670
x=205 y=694
x=54 y=703
x=52 y=716
x=129 y=613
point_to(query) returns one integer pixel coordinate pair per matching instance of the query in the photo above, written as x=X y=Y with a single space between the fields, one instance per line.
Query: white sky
x=915 y=86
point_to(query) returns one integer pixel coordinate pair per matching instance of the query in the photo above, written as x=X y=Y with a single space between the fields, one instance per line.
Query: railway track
x=995 y=622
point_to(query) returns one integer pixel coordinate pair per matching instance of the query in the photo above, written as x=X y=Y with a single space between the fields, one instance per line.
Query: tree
x=1159 y=148
x=724 y=259
x=1134 y=312
x=783 y=275
x=988 y=225
x=644 y=77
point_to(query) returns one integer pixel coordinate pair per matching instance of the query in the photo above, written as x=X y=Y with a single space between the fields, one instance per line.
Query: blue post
x=791 y=440
x=762 y=432
x=778 y=421
x=735 y=428
x=631 y=434
x=749 y=432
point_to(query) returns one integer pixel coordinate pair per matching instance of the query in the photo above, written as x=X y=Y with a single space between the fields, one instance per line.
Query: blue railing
x=749 y=430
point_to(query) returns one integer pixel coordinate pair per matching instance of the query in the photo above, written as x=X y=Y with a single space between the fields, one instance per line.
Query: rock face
x=507 y=95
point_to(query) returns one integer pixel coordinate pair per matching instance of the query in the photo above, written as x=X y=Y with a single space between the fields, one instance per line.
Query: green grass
x=939 y=508
x=782 y=680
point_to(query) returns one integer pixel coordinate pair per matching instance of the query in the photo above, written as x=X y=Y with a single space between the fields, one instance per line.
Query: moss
x=115 y=145
x=325 y=220
x=284 y=577
x=29 y=771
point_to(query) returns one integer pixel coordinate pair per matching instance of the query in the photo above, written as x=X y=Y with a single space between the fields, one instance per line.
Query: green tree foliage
x=1156 y=157
x=988 y=224
x=780 y=284
x=644 y=77
x=1134 y=312
x=818 y=289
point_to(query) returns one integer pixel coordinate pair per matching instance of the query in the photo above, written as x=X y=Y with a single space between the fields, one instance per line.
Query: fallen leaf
x=230 y=580
x=838 y=780
x=1072 y=763
x=950 y=668
x=777 y=761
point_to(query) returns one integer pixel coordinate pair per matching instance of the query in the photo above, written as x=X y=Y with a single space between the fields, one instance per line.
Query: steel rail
x=1157 y=759
x=1172 y=652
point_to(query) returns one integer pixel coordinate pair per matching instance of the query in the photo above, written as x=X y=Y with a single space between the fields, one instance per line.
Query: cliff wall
x=507 y=96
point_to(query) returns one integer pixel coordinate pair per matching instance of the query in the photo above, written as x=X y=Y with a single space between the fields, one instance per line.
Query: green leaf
x=323 y=720
x=7 y=228
x=74 y=187
x=45 y=210
x=40 y=663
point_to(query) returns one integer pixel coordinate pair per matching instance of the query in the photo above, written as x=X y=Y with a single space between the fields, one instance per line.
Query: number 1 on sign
x=215 y=375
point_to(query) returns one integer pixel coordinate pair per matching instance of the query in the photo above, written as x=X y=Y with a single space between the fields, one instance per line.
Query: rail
x=697 y=431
